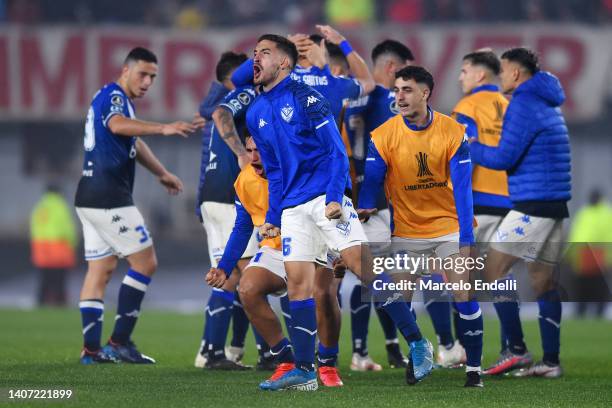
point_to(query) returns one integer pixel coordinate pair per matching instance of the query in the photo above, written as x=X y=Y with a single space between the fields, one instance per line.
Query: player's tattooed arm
x=122 y=126
x=148 y=160
x=357 y=65
x=224 y=122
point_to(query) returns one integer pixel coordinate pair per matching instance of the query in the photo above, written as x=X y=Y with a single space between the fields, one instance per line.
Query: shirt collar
x=413 y=126
x=278 y=88
x=485 y=87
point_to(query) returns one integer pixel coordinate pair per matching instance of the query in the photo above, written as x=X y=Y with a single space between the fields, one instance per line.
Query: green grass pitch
x=40 y=348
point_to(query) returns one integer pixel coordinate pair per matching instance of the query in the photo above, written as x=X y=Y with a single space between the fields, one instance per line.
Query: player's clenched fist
x=333 y=210
x=178 y=128
x=268 y=230
x=216 y=277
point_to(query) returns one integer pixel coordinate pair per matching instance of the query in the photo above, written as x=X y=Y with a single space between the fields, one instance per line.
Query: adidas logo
x=262 y=123
x=311 y=99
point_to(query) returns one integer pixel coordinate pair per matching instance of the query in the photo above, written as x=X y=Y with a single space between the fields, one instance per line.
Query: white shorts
x=484 y=232
x=530 y=238
x=307 y=233
x=439 y=247
x=113 y=232
x=218 y=221
x=378 y=232
x=272 y=260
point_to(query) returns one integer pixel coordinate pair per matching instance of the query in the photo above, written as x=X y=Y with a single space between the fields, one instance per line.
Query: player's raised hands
x=330 y=34
x=173 y=184
x=364 y=214
x=333 y=210
x=179 y=128
x=268 y=230
x=315 y=53
x=216 y=277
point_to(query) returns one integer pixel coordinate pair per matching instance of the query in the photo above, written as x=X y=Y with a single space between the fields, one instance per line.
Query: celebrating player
x=265 y=275
x=226 y=106
x=534 y=150
x=481 y=111
x=307 y=169
x=362 y=117
x=112 y=226
x=429 y=216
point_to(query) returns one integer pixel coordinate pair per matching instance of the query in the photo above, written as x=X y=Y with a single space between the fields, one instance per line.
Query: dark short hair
x=524 y=57
x=228 y=62
x=317 y=38
x=335 y=54
x=282 y=44
x=487 y=59
x=140 y=54
x=419 y=74
x=394 y=48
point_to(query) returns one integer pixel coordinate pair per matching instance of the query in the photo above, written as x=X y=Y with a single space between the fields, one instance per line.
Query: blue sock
x=456 y=325
x=360 y=320
x=438 y=306
x=263 y=349
x=398 y=309
x=328 y=356
x=387 y=325
x=284 y=303
x=507 y=308
x=218 y=316
x=92 y=317
x=470 y=323
x=550 y=325
x=283 y=352
x=131 y=293
x=240 y=323
x=304 y=332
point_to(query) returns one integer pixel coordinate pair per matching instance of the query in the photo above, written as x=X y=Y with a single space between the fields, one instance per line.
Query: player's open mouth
x=256 y=71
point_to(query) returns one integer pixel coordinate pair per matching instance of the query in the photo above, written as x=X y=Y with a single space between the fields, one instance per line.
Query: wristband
x=346 y=48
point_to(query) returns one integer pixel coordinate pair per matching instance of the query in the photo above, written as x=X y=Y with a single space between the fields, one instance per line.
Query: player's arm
x=515 y=139
x=374 y=178
x=121 y=126
x=224 y=122
x=357 y=65
x=238 y=240
x=275 y=187
x=243 y=75
x=461 y=176
x=148 y=160
x=327 y=132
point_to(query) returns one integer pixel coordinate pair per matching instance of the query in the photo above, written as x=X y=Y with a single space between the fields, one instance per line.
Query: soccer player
x=481 y=111
x=307 y=169
x=312 y=68
x=226 y=106
x=113 y=227
x=430 y=217
x=362 y=117
x=265 y=275
x=535 y=152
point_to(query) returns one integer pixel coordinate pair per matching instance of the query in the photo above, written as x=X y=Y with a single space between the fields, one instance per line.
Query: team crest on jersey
x=344 y=228
x=287 y=113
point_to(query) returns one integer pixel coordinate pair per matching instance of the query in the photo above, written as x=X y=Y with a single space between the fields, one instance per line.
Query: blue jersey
x=335 y=89
x=362 y=116
x=108 y=169
x=215 y=96
x=222 y=168
x=300 y=147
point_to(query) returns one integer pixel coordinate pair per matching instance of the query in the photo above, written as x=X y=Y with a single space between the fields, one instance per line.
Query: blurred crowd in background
x=199 y=14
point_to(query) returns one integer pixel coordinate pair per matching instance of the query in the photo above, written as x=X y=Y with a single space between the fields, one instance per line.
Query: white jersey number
x=89 y=141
